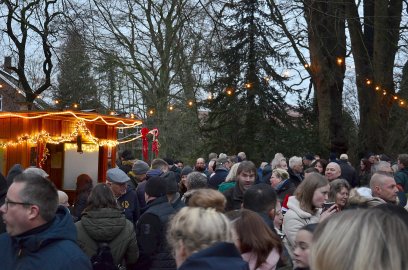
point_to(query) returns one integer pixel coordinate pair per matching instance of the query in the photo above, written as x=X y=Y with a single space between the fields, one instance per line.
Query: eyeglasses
x=7 y=202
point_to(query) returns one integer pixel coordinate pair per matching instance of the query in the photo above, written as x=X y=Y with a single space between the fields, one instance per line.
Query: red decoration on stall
x=155 y=144
x=145 y=143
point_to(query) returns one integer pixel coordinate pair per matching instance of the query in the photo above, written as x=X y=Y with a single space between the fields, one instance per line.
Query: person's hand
x=329 y=212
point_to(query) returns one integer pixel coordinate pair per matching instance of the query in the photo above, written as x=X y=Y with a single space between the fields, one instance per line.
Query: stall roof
x=110 y=120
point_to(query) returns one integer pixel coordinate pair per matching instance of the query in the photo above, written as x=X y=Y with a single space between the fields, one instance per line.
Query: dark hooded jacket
x=235 y=197
x=3 y=193
x=220 y=256
x=110 y=226
x=51 y=246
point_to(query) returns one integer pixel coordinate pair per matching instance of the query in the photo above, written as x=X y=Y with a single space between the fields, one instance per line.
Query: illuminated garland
x=96 y=118
x=45 y=137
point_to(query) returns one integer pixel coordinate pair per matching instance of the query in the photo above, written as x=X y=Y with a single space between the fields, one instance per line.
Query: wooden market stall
x=65 y=143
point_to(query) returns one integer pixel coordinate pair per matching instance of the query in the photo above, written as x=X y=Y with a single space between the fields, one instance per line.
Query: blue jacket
x=220 y=256
x=219 y=177
x=130 y=204
x=53 y=248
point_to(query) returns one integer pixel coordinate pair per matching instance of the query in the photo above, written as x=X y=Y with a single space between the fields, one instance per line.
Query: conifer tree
x=75 y=82
x=248 y=109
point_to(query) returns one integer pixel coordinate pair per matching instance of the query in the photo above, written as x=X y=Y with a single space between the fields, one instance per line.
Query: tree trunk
x=374 y=49
x=327 y=45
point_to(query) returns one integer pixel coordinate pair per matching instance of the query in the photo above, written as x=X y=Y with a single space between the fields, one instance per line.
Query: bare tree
x=25 y=22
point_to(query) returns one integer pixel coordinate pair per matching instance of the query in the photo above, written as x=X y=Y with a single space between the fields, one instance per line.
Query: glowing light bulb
x=402 y=102
x=171 y=107
x=306 y=65
x=190 y=103
x=247 y=85
x=377 y=88
x=395 y=97
x=56 y=101
x=368 y=82
x=339 y=61
x=151 y=112
x=75 y=105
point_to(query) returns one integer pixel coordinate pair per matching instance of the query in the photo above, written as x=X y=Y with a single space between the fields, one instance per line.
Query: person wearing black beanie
x=151 y=227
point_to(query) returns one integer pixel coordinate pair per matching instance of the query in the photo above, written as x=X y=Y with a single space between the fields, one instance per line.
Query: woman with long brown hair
x=84 y=186
x=258 y=245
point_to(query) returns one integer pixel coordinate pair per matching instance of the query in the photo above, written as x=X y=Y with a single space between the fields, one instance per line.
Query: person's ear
x=272 y=213
x=34 y=212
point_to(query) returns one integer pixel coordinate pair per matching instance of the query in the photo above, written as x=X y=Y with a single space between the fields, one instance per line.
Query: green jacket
x=110 y=226
x=401 y=178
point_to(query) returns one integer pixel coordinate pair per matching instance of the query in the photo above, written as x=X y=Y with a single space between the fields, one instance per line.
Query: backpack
x=103 y=259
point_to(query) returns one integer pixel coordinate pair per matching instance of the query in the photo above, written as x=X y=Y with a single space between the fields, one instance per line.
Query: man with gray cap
x=221 y=172
x=117 y=180
x=138 y=173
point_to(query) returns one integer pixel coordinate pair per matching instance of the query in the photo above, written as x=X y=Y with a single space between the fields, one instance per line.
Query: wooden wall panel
x=52 y=126
x=5 y=128
x=100 y=131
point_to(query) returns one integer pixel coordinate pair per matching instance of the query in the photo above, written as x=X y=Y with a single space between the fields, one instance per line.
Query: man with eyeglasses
x=40 y=234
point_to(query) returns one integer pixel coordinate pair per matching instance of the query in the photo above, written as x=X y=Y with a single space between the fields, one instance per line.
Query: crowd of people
x=224 y=213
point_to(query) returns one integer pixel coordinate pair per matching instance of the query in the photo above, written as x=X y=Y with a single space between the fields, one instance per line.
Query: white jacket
x=294 y=219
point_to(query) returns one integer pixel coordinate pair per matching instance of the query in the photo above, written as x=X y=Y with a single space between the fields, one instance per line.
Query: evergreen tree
x=248 y=111
x=75 y=82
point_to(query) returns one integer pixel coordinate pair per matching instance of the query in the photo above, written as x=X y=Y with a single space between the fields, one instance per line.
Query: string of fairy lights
x=80 y=128
x=229 y=91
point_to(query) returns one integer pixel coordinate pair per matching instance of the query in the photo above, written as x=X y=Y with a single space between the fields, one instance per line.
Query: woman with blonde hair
x=362 y=239
x=305 y=206
x=281 y=183
x=202 y=239
x=207 y=198
x=230 y=179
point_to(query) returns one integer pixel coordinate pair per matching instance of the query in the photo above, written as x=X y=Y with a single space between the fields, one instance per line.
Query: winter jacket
x=3 y=193
x=151 y=236
x=401 y=178
x=348 y=173
x=226 y=185
x=130 y=203
x=269 y=264
x=51 y=246
x=220 y=256
x=111 y=226
x=286 y=187
x=234 y=197
x=294 y=219
x=219 y=177
x=296 y=179
x=80 y=205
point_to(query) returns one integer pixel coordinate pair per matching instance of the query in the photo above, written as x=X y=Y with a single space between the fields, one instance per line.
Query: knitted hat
x=186 y=170
x=155 y=186
x=221 y=161
x=140 y=167
x=171 y=182
x=153 y=172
